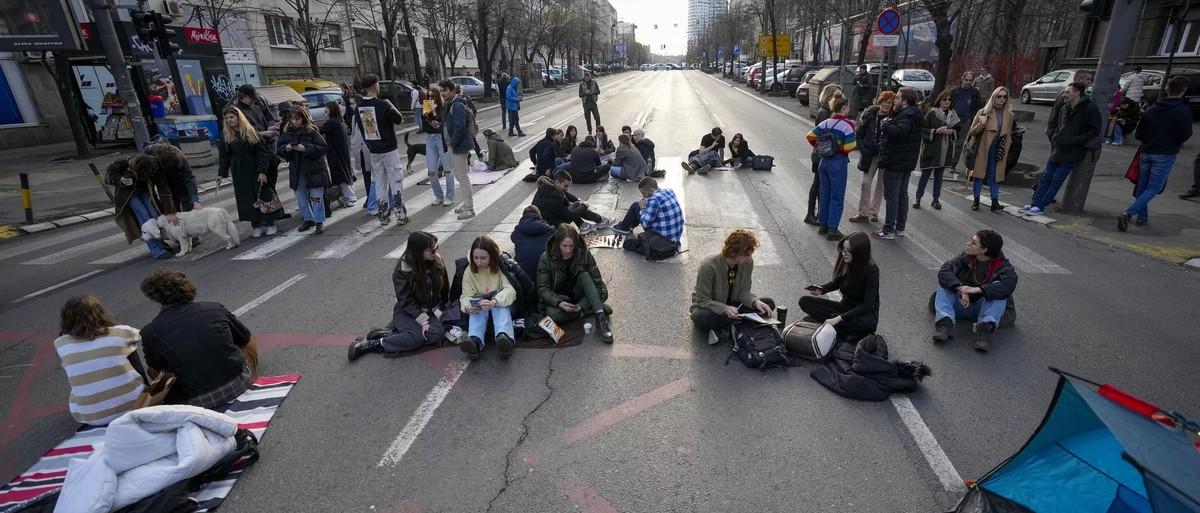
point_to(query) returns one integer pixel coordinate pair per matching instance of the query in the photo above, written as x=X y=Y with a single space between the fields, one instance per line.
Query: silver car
x=316 y=101
x=1051 y=85
x=472 y=86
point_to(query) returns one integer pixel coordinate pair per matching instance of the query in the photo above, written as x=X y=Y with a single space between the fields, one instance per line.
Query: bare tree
x=444 y=22
x=491 y=17
x=216 y=14
x=944 y=14
x=314 y=26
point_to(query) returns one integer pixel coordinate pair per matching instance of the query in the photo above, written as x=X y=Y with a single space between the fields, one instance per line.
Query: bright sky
x=669 y=15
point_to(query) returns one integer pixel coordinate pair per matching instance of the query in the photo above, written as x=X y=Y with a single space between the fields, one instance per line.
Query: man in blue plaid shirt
x=658 y=211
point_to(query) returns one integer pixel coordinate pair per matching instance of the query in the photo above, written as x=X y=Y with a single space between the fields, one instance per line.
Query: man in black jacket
x=1079 y=126
x=544 y=153
x=558 y=205
x=1164 y=127
x=897 y=158
x=377 y=118
x=975 y=285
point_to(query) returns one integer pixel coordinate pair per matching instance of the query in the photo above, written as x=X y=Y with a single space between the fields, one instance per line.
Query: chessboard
x=596 y=240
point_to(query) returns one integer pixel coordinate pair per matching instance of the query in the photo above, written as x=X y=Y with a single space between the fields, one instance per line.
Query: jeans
x=501 y=322
x=705 y=159
x=823 y=309
x=585 y=295
x=1152 y=177
x=633 y=216
x=1196 y=173
x=814 y=191
x=417 y=111
x=981 y=310
x=143 y=209
x=615 y=172
x=895 y=190
x=591 y=110
x=503 y=116
x=706 y=319
x=871 y=195
x=388 y=182
x=514 y=122
x=583 y=213
x=310 y=201
x=437 y=159
x=1118 y=137
x=458 y=161
x=990 y=176
x=406 y=334
x=1052 y=179
x=937 y=173
x=832 y=190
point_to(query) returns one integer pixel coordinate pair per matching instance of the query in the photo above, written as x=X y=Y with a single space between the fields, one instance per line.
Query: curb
x=1195 y=262
x=75 y=219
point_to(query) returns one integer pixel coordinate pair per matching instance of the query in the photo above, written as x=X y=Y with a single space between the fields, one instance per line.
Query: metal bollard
x=26 y=198
x=100 y=180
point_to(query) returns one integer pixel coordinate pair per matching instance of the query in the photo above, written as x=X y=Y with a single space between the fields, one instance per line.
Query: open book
x=754 y=316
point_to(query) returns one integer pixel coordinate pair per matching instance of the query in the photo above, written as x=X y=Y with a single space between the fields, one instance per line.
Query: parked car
x=844 y=76
x=473 y=87
x=802 y=91
x=785 y=80
x=301 y=85
x=918 y=79
x=399 y=93
x=1049 y=86
x=660 y=67
x=556 y=75
x=316 y=101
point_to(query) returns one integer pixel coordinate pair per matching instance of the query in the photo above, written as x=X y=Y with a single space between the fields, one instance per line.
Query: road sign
x=782 y=45
x=720 y=52
x=737 y=49
x=882 y=40
x=888 y=22
x=620 y=50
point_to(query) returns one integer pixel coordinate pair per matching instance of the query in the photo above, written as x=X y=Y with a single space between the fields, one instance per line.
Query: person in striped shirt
x=99 y=358
x=836 y=136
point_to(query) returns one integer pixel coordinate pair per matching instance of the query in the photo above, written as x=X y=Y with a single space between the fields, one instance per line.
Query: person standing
x=898 y=157
x=937 y=147
x=486 y=293
x=569 y=283
x=422 y=289
x=302 y=146
x=1135 y=86
x=245 y=157
x=502 y=83
x=437 y=158
x=377 y=119
x=461 y=140
x=341 y=172
x=870 y=138
x=965 y=101
x=512 y=102
x=141 y=193
x=984 y=83
x=835 y=139
x=1164 y=128
x=589 y=92
x=856 y=276
x=976 y=285
x=814 y=191
x=360 y=156
x=1194 y=192
x=1080 y=125
x=414 y=103
x=991 y=130
x=722 y=291
x=862 y=88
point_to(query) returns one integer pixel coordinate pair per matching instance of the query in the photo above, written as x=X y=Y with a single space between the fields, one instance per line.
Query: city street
x=657 y=421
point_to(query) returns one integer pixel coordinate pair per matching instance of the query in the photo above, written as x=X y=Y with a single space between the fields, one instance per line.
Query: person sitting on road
x=529 y=239
x=101 y=362
x=658 y=211
x=739 y=152
x=586 y=166
x=559 y=206
x=543 y=154
x=856 y=276
x=487 y=292
x=604 y=145
x=569 y=140
x=569 y=283
x=500 y=154
x=422 y=287
x=709 y=154
x=975 y=285
x=628 y=163
x=141 y=193
x=212 y=354
x=723 y=286
x=646 y=148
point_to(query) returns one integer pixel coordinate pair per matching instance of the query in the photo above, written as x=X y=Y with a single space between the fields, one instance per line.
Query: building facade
x=701 y=15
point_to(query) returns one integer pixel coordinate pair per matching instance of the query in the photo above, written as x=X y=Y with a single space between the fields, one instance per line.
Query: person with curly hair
x=211 y=353
x=100 y=359
x=722 y=292
x=140 y=193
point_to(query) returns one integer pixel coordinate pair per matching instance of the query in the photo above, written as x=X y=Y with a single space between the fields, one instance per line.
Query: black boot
x=975 y=204
x=306 y=226
x=996 y=207
x=811 y=219
x=603 y=329
x=364 y=346
x=943 y=330
x=917 y=204
x=472 y=347
x=505 y=345
x=983 y=336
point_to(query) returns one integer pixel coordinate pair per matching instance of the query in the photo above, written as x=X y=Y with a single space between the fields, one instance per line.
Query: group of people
x=595 y=157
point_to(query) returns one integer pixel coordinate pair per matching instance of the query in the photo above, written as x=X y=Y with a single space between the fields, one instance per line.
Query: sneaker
x=320 y=229
x=603 y=329
x=505 y=345
x=880 y=234
x=811 y=219
x=983 y=336
x=874 y=218
x=834 y=235
x=861 y=218
x=1123 y=222
x=306 y=226
x=437 y=202
x=448 y=202
x=621 y=229
x=464 y=215
x=658 y=173
x=916 y=205
x=360 y=347
x=1140 y=222
x=687 y=167
x=472 y=346
x=605 y=222
x=704 y=170
x=900 y=233
x=256 y=232
x=1024 y=209
x=384 y=220
x=1033 y=211
x=372 y=212
x=824 y=230
x=943 y=330
x=272 y=230
x=587 y=228
x=937 y=205
x=460 y=209
x=721 y=336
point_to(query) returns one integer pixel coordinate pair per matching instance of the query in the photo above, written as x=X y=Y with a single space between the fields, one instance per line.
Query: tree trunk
x=312 y=62
x=412 y=42
x=71 y=103
x=862 y=41
x=481 y=54
x=945 y=45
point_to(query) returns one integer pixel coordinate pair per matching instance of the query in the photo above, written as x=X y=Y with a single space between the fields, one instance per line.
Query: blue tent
x=1098 y=450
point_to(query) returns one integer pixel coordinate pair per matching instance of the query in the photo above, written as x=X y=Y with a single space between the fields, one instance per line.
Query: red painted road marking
x=588 y=499
x=623 y=411
x=640 y=351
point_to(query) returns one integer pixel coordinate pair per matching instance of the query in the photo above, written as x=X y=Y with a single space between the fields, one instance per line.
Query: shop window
x=1189 y=43
x=333 y=35
x=279 y=31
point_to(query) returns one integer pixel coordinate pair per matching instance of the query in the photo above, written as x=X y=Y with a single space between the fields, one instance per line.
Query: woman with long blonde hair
x=302 y=146
x=991 y=130
x=244 y=155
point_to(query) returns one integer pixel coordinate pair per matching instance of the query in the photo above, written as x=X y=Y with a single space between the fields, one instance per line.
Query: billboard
x=32 y=25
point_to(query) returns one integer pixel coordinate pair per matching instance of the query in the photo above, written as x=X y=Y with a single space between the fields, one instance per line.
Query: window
x=333 y=34
x=279 y=31
x=468 y=52
x=1189 y=43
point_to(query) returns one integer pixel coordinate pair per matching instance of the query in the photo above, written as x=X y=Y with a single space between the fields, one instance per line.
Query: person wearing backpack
x=856 y=276
x=722 y=292
x=486 y=292
x=834 y=139
x=460 y=129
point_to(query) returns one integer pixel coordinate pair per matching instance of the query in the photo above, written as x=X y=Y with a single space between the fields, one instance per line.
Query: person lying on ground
x=646 y=148
x=586 y=166
x=856 y=276
x=500 y=154
x=739 y=152
x=628 y=163
x=211 y=353
x=975 y=285
x=487 y=292
x=569 y=283
x=658 y=211
x=529 y=239
x=100 y=359
x=422 y=288
x=558 y=205
x=723 y=284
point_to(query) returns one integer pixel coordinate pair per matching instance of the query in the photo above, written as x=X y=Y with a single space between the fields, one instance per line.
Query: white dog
x=193 y=224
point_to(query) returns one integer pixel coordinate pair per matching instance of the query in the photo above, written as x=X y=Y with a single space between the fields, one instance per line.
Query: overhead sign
x=779 y=45
x=32 y=25
x=888 y=21
x=205 y=36
x=883 y=40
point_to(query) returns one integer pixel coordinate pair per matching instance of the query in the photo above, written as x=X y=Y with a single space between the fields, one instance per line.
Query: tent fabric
x=979 y=500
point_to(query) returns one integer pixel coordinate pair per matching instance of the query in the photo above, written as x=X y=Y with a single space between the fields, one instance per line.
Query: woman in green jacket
x=937 y=146
x=723 y=285
x=569 y=284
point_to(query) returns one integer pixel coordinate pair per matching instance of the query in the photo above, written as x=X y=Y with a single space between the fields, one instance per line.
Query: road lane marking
x=268 y=295
x=56 y=286
x=934 y=455
x=368 y=231
x=613 y=416
x=22 y=247
x=420 y=418
x=715 y=118
x=789 y=113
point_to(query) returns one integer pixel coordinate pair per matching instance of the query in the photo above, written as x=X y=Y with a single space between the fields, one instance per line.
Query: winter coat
x=901 y=141
x=512 y=96
x=985 y=84
x=584 y=157
x=1080 y=126
x=143 y=452
x=245 y=161
x=155 y=185
x=712 y=285
x=740 y=151
x=867 y=135
x=589 y=90
x=967 y=106
x=1135 y=88
x=410 y=302
x=984 y=133
x=937 y=150
x=563 y=148
x=646 y=148
x=338 y=157
x=554 y=203
x=311 y=161
x=633 y=166
x=863 y=371
x=999 y=282
x=557 y=276
x=458 y=137
x=1165 y=126
x=180 y=179
x=529 y=240
x=543 y=155
x=500 y=154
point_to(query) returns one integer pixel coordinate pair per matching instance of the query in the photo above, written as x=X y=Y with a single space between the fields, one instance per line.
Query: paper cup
x=587 y=328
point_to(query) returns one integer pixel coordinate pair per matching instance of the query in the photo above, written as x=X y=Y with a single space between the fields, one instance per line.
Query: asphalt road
x=655 y=422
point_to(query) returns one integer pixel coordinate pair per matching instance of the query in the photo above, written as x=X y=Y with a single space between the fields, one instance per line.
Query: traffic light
x=1097 y=8
x=164 y=35
x=143 y=24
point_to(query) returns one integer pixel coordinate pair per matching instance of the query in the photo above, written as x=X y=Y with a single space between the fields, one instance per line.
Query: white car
x=918 y=79
x=473 y=87
x=316 y=101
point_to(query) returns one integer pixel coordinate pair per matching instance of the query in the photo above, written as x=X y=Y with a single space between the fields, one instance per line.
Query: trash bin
x=198 y=150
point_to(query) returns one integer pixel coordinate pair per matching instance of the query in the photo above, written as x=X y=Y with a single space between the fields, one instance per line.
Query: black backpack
x=651 y=244
x=527 y=297
x=829 y=142
x=759 y=346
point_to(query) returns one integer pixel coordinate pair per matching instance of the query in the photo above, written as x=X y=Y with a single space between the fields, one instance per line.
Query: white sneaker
x=256 y=232
x=587 y=228
x=466 y=214
x=1033 y=211
x=460 y=209
x=272 y=230
x=372 y=212
x=1024 y=209
x=605 y=222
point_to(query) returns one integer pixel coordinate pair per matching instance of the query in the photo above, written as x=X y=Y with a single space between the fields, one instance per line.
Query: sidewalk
x=1173 y=233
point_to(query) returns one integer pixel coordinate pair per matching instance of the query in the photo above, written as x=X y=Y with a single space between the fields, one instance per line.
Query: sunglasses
x=1002 y=96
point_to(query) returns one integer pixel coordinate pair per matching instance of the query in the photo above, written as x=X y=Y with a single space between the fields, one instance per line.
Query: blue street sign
x=721 y=52
x=737 y=49
x=888 y=21
x=620 y=50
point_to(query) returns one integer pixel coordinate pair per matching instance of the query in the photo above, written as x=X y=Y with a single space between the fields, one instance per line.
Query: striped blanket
x=253 y=411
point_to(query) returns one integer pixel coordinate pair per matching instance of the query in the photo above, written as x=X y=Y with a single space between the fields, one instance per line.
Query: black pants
x=823 y=309
x=591 y=110
x=583 y=213
x=706 y=319
x=815 y=190
x=589 y=176
x=1196 y=174
x=895 y=193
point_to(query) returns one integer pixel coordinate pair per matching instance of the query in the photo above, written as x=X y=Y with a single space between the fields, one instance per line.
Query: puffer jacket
x=529 y=240
x=863 y=371
x=409 y=301
x=311 y=161
x=553 y=203
x=901 y=141
x=557 y=276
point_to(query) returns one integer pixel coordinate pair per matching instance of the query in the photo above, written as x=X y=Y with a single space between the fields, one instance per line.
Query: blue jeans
x=501 y=323
x=633 y=216
x=417 y=111
x=310 y=201
x=560 y=163
x=1152 y=177
x=832 y=194
x=372 y=201
x=702 y=159
x=937 y=173
x=1052 y=179
x=981 y=310
x=437 y=158
x=993 y=187
x=143 y=209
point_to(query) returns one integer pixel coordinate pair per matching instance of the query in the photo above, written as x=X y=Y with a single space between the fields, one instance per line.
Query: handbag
x=270 y=205
x=762 y=162
x=1134 y=169
x=156 y=392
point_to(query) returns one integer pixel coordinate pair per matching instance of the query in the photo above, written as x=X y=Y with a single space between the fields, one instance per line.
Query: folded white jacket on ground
x=143 y=452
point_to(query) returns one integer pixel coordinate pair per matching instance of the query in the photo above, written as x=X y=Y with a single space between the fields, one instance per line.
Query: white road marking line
x=449 y=222
x=789 y=113
x=32 y=295
x=42 y=243
x=715 y=118
x=1022 y=257
x=268 y=295
x=368 y=231
x=75 y=251
x=423 y=415
x=934 y=455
